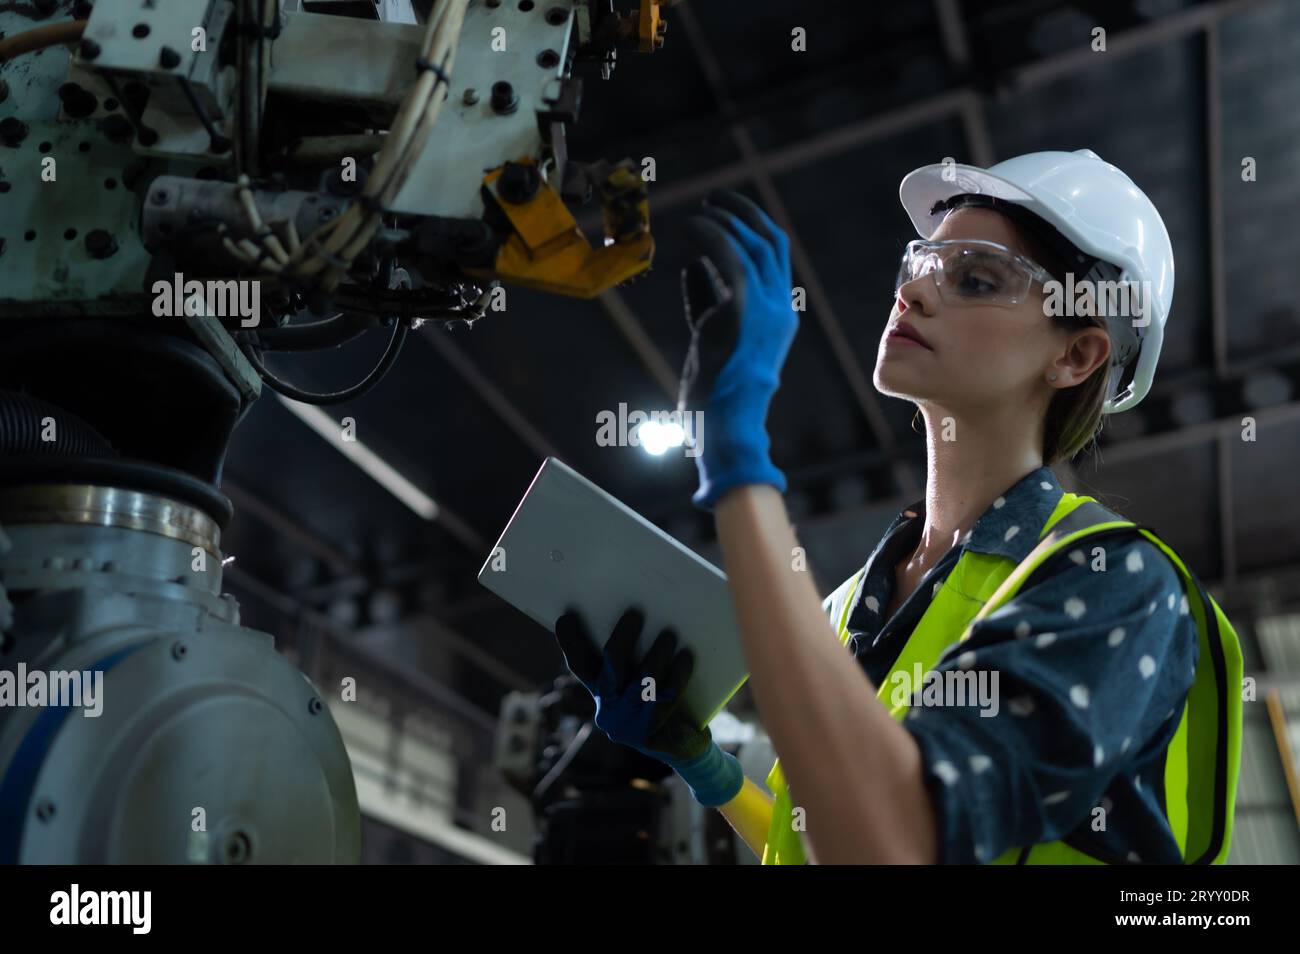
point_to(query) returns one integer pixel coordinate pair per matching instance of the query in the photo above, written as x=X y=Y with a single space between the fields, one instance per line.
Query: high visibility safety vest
x=1204 y=755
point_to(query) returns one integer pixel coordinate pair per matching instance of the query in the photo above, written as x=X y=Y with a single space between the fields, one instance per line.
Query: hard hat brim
x=921 y=189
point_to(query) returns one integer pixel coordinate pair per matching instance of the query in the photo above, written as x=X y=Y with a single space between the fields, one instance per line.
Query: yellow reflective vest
x=1204 y=755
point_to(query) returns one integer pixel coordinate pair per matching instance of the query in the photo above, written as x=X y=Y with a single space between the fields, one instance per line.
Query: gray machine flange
x=209 y=746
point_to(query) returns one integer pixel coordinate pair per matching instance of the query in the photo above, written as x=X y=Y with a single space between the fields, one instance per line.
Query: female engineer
x=1033 y=303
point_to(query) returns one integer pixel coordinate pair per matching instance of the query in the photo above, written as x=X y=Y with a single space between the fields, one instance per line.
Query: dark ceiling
x=1183 y=93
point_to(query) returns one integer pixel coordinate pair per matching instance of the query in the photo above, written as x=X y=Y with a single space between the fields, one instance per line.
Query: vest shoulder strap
x=1083 y=520
x=1090 y=513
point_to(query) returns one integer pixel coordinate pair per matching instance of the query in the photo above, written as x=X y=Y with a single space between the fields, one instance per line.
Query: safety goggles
x=971 y=272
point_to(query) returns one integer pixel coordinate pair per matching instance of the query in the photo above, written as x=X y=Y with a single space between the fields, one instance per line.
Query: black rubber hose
x=21 y=430
x=400 y=331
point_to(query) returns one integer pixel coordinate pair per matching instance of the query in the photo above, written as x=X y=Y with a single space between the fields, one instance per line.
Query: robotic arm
x=184 y=186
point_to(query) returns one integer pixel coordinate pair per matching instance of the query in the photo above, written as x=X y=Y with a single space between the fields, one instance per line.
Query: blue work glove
x=737 y=298
x=659 y=727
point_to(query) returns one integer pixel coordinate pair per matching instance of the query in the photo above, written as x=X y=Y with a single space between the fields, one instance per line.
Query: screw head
x=45 y=809
x=470 y=97
x=314 y=705
x=179 y=651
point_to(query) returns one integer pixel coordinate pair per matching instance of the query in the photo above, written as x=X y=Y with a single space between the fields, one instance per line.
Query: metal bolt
x=471 y=97
x=314 y=705
x=168 y=58
x=179 y=651
x=45 y=809
x=504 y=99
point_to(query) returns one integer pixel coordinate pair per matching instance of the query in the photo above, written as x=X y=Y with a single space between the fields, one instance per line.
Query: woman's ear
x=1087 y=350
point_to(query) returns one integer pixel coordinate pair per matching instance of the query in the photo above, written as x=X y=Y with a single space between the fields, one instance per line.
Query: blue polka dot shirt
x=1093 y=665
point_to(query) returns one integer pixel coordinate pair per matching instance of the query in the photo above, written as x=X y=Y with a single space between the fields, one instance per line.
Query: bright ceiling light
x=657 y=436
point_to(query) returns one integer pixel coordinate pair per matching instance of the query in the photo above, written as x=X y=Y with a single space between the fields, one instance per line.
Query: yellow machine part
x=548 y=251
x=650 y=27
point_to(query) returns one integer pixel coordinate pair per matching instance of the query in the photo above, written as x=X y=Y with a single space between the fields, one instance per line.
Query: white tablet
x=571 y=543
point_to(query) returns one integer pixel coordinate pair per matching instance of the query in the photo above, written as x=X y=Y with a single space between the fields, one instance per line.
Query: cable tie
x=422 y=65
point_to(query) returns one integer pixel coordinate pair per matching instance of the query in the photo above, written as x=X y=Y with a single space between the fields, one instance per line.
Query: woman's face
x=983 y=356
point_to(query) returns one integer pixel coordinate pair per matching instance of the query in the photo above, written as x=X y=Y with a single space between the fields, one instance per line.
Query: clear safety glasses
x=971 y=271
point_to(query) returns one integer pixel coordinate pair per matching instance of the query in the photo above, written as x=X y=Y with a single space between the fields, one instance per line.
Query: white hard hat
x=1099 y=211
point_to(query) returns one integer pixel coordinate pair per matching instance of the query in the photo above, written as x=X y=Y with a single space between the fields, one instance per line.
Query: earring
x=1051 y=377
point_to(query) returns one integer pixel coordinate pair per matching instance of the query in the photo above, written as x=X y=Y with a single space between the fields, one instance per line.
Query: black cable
x=262 y=34
x=261 y=19
x=336 y=397
x=317 y=335
x=562 y=763
x=251 y=35
x=245 y=69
